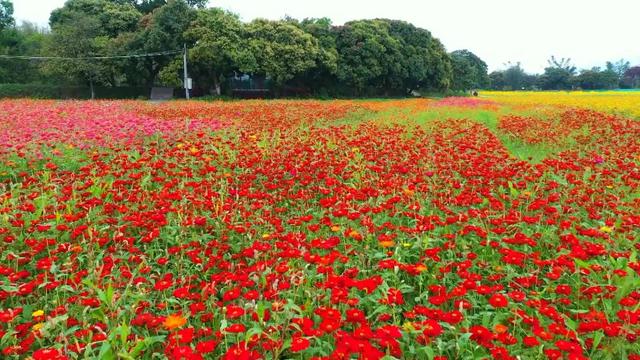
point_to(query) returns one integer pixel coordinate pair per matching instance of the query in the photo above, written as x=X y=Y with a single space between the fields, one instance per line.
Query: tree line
x=378 y=57
x=560 y=74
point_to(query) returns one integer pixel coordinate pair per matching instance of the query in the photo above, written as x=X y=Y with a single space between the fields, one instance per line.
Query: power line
x=24 y=57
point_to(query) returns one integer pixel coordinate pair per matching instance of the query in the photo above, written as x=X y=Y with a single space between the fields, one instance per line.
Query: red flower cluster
x=287 y=229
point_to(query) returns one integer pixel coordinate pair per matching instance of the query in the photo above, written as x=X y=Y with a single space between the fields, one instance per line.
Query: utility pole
x=186 y=74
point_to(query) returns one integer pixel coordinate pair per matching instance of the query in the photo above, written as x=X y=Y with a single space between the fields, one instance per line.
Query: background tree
x=558 y=75
x=425 y=63
x=595 y=78
x=322 y=77
x=279 y=50
x=515 y=78
x=619 y=68
x=113 y=22
x=469 y=71
x=6 y=14
x=79 y=37
x=163 y=30
x=369 y=57
x=147 y=6
x=216 y=40
x=24 y=40
x=631 y=77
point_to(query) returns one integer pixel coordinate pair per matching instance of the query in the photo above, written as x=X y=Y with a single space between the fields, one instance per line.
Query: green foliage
x=597 y=79
x=469 y=71
x=513 y=78
x=631 y=77
x=26 y=39
x=148 y=6
x=558 y=75
x=424 y=58
x=279 y=50
x=368 y=55
x=390 y=56
x=6 y=14
x=378 y=57
x=216 y=51
x=162 y=30
x=77 y=36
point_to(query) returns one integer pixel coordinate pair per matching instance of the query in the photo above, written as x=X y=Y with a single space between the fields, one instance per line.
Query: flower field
x=491 y=228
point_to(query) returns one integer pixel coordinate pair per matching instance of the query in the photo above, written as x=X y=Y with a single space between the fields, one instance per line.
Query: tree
x=115 y=24
x=594 y=78
x=216 y=40
x=279 y=50
x=619 y=68
x=369 y=57
x=26 y=39
x=114 y=18
x=78 y=38
x=163 y=30
x=6 y=14
x=631 y=77
x=424 y=60
x=323 y=76
x=469 y=71
x=558 y=75
x=512 y=78
x=148 y=6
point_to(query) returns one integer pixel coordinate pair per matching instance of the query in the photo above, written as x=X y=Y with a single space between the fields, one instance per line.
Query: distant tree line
x=359 y=58
x=378 y=57
x=561 y=75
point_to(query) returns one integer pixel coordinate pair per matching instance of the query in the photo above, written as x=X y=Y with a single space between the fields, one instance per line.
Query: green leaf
x=106 y=352
x=596 y=341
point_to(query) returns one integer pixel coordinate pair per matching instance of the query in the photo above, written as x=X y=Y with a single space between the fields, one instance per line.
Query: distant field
x=502 y=227
x=625 y=102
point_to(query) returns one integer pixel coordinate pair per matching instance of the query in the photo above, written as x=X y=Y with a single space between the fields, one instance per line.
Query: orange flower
x=387 y=243
x=174 y=322
x=500 y=329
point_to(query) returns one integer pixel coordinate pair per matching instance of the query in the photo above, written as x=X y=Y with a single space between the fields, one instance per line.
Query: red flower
x=498 y=301
x=431 y=328
x=299 y=343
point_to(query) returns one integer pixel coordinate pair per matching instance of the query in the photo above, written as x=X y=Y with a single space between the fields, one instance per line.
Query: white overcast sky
x=590 y=32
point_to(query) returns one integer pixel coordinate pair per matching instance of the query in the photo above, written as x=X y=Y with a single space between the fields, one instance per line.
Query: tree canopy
x=373 y=57
x=469 y=71
x=6 y=14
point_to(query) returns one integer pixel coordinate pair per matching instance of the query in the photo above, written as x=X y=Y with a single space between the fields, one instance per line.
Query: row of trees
x=364 y=57
x=560 y=74
x=359 y=58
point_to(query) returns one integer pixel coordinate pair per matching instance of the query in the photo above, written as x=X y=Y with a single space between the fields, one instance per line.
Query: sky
x=590 y=32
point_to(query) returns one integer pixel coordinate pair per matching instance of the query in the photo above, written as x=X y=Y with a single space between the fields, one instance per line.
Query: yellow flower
x=180 y=145
x=606 y=229
x=194 y=150
x=407 y=245
x=408 y=326
x=335 y=228
x=37 y=313
x=37 y=326
x=266 y=236
x=174 y=322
